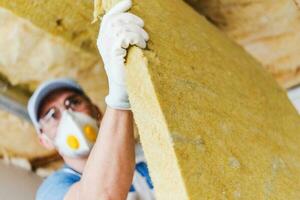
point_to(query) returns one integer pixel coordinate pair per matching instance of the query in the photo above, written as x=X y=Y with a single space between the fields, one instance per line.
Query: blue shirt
x=57 y=185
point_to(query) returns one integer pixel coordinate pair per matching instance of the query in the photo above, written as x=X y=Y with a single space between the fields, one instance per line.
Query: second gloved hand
x=118 y=30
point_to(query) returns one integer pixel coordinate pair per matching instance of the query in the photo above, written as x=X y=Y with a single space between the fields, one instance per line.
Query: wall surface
x=17 y=184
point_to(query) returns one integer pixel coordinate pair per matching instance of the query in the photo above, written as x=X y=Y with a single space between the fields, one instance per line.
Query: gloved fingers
x=120 y=38
x=120 y=52
x=136 y=39
x=131 y=28
x=120 y=7
x=140 y=42
x=120 y=42
x=131 y=38
x=126 y=18
x=119 y=46
x=118 y=33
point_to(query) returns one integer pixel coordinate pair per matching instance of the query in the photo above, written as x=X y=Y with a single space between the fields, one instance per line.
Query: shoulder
x=55 y=186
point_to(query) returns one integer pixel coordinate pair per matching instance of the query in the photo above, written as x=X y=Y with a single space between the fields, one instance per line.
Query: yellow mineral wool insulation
x=213 y=123
x=68 y=19
x=29 y=55
x=267 y=30
x=18 y=139
x=100 y=7
x=98 y=10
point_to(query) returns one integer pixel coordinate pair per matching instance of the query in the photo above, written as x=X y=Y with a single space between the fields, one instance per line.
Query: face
x=54 y=104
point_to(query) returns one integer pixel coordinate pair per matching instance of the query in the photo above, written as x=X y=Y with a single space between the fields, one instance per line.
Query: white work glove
x=118 y=30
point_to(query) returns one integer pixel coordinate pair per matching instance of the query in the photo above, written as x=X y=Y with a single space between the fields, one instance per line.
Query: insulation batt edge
x=213 y=123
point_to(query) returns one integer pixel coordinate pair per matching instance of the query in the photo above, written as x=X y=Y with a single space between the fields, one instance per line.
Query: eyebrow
x=72 y=95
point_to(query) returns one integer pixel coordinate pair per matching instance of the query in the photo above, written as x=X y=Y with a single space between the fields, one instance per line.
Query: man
x=98 y=151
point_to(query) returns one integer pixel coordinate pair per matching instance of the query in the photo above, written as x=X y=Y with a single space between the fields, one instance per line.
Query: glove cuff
x=117 y=97
x=117 y=104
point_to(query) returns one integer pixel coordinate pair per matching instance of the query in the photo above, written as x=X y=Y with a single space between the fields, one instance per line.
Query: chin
x=84 y=157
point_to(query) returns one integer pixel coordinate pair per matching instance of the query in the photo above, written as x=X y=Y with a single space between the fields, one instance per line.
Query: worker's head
x=64 y=117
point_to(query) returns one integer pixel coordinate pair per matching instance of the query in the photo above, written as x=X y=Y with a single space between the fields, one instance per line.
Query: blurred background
x=41 y=40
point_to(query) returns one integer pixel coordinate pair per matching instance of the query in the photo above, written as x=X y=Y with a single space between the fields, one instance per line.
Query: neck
x=77 y=164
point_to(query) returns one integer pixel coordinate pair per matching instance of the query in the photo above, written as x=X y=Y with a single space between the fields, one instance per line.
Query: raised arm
x=109 y=170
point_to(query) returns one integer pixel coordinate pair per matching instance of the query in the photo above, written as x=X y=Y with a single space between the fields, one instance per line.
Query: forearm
x=109 y=170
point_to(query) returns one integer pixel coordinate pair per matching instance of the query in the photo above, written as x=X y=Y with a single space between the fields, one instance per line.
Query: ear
x=46 y=142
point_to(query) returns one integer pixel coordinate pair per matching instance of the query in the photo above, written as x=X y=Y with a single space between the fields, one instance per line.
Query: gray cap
x=42 y=91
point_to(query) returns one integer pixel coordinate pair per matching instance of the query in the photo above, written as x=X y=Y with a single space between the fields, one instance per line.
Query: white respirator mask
x=76 y=134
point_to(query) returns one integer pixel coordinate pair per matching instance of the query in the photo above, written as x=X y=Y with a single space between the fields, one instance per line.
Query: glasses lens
x=74 y=102
x=51 y=115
